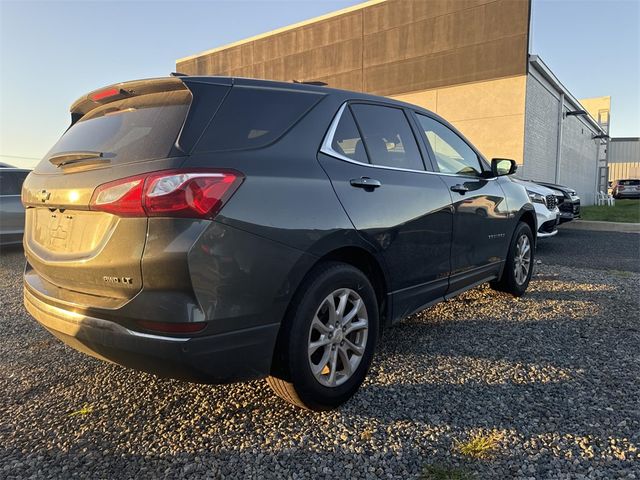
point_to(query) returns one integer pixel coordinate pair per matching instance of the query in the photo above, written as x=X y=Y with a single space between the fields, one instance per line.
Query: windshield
x=129 y=130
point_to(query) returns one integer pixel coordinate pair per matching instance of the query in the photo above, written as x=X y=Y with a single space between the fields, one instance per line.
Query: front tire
x=327 y=339
x=518 y=267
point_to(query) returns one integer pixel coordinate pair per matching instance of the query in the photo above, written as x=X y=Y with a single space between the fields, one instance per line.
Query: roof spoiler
x=118 y=91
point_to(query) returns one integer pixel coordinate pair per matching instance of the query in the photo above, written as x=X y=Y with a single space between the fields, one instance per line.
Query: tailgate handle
x=365 y=182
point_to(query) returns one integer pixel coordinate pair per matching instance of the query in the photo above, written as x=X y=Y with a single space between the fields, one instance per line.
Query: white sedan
x=546 y=204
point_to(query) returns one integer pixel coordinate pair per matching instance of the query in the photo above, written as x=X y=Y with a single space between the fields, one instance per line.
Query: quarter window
x=452 y=153
x=255 y=117
x=346 y=139
x=388 y=137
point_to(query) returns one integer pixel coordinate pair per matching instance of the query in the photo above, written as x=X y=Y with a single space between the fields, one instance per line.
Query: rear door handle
x=460 y=189
x=365 y=182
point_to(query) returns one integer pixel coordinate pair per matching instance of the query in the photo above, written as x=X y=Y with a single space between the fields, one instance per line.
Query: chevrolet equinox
x=220 y=229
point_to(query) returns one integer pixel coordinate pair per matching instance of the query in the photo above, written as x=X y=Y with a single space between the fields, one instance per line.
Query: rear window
x=138 y=128
x=629 y=182
x=255 y=117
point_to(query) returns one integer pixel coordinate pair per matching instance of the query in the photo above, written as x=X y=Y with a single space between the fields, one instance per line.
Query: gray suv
x=11 y=209
x=220 y=229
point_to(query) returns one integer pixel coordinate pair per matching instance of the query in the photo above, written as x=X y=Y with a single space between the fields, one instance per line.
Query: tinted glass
x=137 y=128
x=346 y=139
x=453 y=154
x=388 y=136
x=9 y=184
x=629 y=182
x=255 y=117
x=20 y=178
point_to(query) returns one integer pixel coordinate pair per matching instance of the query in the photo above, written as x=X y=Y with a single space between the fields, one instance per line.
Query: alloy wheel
x=522 y=260
x=338 y=337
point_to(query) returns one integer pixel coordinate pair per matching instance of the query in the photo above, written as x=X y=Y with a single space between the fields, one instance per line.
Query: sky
x=53 y=52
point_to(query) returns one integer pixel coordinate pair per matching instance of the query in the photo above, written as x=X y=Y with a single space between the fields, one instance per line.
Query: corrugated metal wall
x=624 y=158
x=618 y=171
x=624 y=150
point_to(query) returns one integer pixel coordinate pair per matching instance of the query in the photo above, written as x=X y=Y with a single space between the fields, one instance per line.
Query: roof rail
x=317 y=84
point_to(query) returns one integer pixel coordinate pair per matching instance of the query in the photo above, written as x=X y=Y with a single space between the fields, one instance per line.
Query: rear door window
x=129 y=130
x=347 y=140
x=388 y=137
x=253 y=117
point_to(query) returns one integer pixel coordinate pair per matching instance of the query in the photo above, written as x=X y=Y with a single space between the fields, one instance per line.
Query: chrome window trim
x=327 y=149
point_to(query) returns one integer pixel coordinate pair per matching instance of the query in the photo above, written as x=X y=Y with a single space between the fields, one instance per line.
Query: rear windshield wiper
x=69 y=158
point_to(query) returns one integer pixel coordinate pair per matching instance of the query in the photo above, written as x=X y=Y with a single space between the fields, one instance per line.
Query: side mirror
x=503 y=166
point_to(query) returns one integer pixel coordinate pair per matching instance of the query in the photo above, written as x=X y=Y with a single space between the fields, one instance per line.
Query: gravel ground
x=554 y=376
x=587 y=249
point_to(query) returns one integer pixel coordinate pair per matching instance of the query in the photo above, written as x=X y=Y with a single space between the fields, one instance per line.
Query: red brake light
x=111 y=92
x=169 y=193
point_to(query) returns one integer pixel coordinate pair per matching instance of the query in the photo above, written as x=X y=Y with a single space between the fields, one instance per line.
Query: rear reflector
x=168 y=327
x=168 y=193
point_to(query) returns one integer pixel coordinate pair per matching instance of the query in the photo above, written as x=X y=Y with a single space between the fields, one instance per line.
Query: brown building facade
x=467 y=60
x=385 y=47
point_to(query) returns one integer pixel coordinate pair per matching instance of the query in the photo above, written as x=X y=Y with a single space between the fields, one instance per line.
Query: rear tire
x=322 y=358
x=518 y=266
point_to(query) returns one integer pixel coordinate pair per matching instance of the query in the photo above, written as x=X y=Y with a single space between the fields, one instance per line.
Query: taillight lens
x=168 y=193
x=120 y=197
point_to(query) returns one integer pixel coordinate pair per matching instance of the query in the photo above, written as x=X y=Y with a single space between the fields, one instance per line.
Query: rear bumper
x=223 y=358
x=627 y=194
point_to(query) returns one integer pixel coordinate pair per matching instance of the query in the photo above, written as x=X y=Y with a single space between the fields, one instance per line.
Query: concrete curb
x=620 y=227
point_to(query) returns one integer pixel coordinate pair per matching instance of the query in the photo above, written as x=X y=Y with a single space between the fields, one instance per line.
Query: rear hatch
x=72 y=250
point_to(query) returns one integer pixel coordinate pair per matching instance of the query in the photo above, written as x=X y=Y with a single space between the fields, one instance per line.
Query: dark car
x=567 y=199
x=11 y=209
x=219 y=229
x=627 y=188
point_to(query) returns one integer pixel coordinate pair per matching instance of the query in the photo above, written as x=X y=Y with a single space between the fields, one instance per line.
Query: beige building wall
x=599 y=108
x=490 y=113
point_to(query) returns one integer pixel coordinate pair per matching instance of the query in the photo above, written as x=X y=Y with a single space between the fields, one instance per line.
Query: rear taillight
x=168 y=193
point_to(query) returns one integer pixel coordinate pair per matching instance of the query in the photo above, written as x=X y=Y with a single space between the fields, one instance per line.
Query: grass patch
x=438 y=472
x=620 y=273
x=627 y=211
x=480 y=445
x=86 y=410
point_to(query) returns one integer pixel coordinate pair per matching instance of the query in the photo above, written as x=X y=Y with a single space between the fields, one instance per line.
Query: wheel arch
x=528 y=216
x=368 y=264
x=356 y=256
